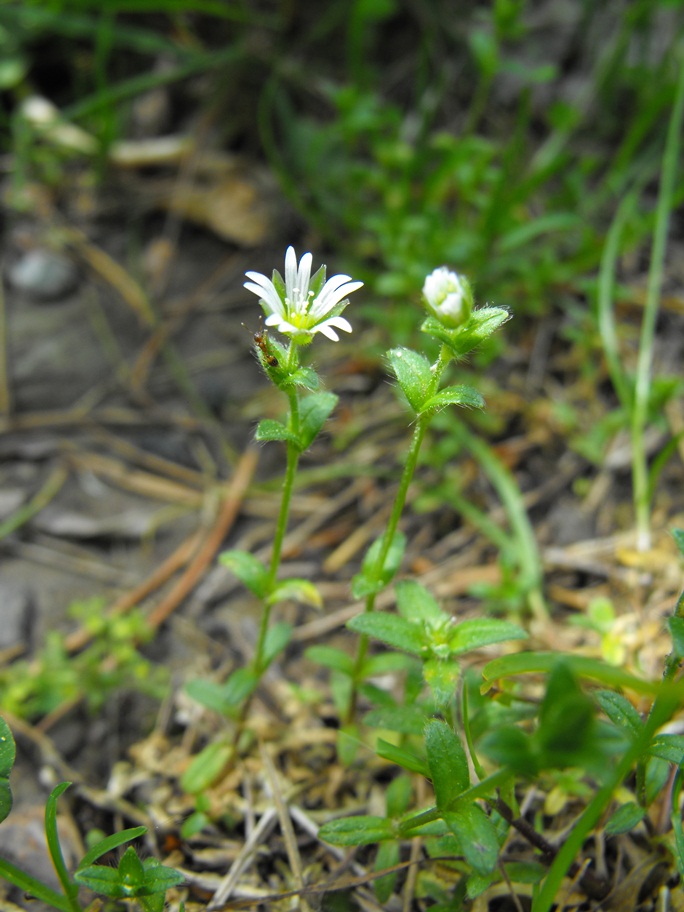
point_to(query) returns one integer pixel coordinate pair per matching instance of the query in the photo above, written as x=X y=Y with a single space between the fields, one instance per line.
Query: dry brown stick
x=230 y=506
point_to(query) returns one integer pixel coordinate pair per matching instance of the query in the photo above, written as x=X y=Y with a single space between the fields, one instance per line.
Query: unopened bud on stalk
x=448 y=297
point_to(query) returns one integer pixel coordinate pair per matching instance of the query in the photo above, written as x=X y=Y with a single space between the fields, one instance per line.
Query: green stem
x=393 y=522
x=644 y=363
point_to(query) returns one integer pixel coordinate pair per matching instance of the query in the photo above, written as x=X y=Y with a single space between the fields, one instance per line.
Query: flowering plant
x=301 y=305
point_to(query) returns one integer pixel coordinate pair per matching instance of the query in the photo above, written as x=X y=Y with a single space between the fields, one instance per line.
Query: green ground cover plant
x=386 y=180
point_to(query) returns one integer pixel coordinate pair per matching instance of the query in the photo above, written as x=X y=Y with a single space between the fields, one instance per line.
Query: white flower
x=448 y=297
x=303 y=305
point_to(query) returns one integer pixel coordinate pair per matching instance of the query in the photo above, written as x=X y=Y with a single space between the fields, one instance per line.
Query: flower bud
x=448 y=296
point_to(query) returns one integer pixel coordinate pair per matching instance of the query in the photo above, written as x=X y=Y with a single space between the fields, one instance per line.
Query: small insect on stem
x=260 y=342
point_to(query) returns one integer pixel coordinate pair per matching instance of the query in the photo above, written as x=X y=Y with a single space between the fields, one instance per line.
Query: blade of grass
x=645 y=358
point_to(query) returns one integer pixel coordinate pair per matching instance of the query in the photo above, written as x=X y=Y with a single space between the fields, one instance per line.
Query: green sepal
x=270 y=429
x=206 y=767
x=391 y=629
x=8 y=753
x=355 y=831
x=465 y=396
x=296 y=590
x=477 y=836
x=369 y=581
x=413 y=374
x=478 y=632
x=447 y=762
x=480 y=325
x=248 y=569
x=314 y=411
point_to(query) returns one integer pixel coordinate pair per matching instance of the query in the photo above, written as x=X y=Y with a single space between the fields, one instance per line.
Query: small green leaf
x=465 y=396
x=678 y=535
x=481 y=324
x=8 y=752
x=415 y=603
x=277 y=638
x=620 y=711
x=413 y=374
x=33 y=887
x=442 y=677
x=448 y=763
x=402 y=757
x=398 y=795
x=241 y=683
x=103 y=880
x=387 y=857
x=110 y=843
x=355 y=831
x=159 y=878
x=8 y=749
x=668 y=747
x=131 y=871
x=391 y=629
x=270 y=429
x=330 y=657
x=511 y=747
x=477 y=835
x=407 y=720
x=305 y=377
x=385 y=663
x=296 y=590
x=583 y=666
x=248 y=569
x=206 y=767
x=625 y=819
x=313 y=413
x=371 y=580
x=478 y=632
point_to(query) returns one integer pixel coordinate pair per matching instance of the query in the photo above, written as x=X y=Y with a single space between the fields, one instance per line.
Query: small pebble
x=43 y=275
